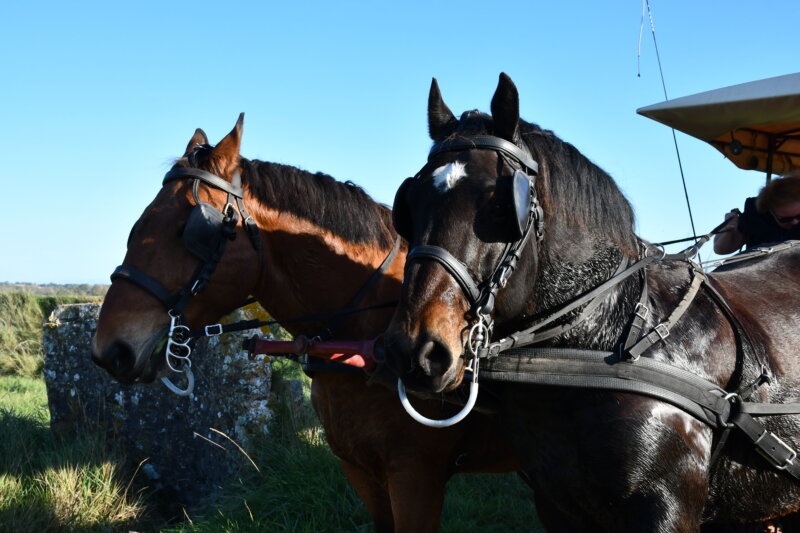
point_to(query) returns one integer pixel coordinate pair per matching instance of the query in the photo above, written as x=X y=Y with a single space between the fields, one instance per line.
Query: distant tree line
x=56 y=289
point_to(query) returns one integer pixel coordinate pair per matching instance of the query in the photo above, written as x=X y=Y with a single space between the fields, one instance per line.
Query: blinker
x=521 y=192
x=203 y=232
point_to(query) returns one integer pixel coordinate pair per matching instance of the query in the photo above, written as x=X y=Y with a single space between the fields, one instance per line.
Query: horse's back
x=764 y=294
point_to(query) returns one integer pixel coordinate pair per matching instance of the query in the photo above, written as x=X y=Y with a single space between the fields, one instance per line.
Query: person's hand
x=732 y=218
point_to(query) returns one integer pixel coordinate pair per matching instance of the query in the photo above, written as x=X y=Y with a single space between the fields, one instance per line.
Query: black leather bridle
x=481 y=295
x=205 y=235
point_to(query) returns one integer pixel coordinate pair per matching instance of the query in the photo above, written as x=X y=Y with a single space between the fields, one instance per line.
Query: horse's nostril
x=435 y=358
x=118 y=359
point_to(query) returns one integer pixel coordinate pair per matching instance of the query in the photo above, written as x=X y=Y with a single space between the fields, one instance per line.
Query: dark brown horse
x=320 y=240
x=599 y=460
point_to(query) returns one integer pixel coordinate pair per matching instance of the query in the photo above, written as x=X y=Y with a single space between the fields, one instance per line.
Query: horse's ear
x=440 y=118
x=198 y=139
x=505 y=109
x=225 y=156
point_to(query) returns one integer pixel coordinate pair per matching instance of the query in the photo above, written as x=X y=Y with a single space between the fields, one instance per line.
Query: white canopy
x=745 y=122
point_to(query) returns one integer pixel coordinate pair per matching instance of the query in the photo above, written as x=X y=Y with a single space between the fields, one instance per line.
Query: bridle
x=481 y=295
x=590 y=369
x=205 y=235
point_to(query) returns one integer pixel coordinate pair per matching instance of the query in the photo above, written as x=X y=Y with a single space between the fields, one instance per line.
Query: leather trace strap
x=706 y=401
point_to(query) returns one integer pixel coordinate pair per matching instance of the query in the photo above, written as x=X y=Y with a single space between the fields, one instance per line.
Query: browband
x=208 y=177
x=487 y=141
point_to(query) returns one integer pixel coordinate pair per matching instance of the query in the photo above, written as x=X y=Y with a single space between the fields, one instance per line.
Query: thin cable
x=639 y=46
x=674 y=137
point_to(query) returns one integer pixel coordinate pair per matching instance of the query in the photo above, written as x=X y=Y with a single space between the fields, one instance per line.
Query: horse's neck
x=308 y=270
x=565 y=276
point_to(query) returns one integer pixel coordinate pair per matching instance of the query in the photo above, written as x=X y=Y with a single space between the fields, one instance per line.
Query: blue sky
x=97 y=98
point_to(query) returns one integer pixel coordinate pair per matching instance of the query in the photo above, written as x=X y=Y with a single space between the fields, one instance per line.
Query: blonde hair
x=779 y=193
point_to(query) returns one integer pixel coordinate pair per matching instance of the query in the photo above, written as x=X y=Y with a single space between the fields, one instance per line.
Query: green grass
x=48 y=484
x=21 y=317
x=82 y=484
x=301 y=488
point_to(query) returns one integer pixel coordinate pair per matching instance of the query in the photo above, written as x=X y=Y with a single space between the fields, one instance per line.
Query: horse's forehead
x=450 y=171
x=448 y=175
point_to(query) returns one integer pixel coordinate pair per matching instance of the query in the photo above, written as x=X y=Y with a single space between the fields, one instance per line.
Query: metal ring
x=478 y=337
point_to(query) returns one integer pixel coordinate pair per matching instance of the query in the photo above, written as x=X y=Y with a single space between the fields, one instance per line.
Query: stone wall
x=183 y=439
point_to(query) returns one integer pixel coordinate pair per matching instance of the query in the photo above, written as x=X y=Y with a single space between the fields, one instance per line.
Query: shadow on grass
x=49 y=483
x=302 y=488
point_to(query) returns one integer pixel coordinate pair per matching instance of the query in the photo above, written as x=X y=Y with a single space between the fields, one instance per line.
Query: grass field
x=79 y=485
x=84 y=484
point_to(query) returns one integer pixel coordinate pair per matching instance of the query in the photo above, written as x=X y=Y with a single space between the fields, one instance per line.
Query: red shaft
x=355 y=353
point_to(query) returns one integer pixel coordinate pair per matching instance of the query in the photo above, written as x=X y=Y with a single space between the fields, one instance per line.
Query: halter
x=204 y=224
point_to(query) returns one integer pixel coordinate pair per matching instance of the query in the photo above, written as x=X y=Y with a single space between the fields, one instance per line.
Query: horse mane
x=576 y=189
x=573 y=188
x=342 y=208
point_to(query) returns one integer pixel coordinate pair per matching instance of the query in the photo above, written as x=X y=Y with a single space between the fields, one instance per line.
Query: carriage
x=639 y=398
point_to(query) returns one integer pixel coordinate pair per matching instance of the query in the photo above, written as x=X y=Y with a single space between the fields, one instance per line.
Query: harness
x=514 y=358
x=205 y=235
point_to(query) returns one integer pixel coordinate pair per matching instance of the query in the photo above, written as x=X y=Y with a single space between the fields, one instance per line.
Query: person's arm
x=729 y=239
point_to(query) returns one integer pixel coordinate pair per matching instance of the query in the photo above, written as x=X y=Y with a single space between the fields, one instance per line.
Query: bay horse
x=317 y=241
x=511 y=229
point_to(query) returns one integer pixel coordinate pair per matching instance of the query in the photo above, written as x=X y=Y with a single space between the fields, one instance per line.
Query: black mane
x=343 y=208
x=574 y=188
x=579 y=190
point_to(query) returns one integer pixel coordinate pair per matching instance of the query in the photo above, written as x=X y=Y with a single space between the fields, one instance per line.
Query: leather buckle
x=662 y=330
x=769 y=440
x=214 y=329
x=641 y=310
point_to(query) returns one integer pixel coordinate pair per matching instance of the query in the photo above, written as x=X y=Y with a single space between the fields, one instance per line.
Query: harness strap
x=661 y=331
x=242 y=325
x=640 y=313
x=770 y=409
x=591 y=369
x=145 y=281
x=490 y=142
x=702 y=399
x=588 y=310
x=456 y=268
x=362 y=292
x=207 y=177
x=531 y=334
x=767 y=444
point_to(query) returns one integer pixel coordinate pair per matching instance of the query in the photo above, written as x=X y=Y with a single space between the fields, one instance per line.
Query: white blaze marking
x=445 y=177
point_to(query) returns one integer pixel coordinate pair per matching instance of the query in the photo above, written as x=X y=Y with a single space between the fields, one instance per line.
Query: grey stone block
x=181 y=438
